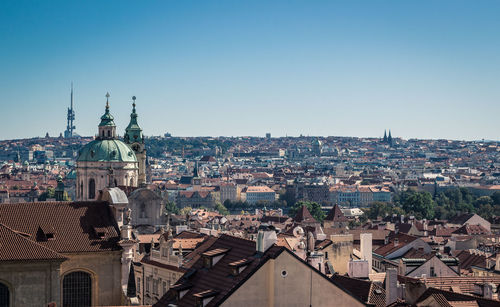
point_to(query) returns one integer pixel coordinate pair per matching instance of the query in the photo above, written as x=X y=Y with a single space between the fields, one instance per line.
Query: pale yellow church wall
x=31 y=283
x=105 y=270
x=269 y=287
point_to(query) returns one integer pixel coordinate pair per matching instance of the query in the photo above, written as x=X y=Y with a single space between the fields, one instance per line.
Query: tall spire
x=385 y=136
x=133 y=132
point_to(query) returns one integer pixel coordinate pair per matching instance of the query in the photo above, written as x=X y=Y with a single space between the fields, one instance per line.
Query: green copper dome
x=106 y=151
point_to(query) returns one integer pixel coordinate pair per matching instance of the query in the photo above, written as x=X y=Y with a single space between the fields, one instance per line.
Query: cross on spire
x=107 y=100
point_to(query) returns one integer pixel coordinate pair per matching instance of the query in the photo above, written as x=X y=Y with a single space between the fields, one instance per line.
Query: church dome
x=106 y=150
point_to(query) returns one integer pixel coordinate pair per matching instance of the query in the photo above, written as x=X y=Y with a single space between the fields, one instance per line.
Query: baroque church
x=109 y=162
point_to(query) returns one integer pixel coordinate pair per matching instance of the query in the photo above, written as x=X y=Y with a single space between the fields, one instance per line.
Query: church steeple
x=107 y=127
x=385 y=136
x=134 y=139
x=133 y=132
x=389 y=138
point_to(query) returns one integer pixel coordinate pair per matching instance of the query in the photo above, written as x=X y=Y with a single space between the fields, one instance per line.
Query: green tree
x=420 y=204
x=496 y=198
x=482 y=201
x=172 y=208
x=313 y=207
x=221 y=209
x=186 y=210
x=486 y=211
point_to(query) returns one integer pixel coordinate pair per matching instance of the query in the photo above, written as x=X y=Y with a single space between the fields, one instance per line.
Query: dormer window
x=239 y=266
x=45 y=233
x=204 y=297
x=213 y=256
x=181 y=290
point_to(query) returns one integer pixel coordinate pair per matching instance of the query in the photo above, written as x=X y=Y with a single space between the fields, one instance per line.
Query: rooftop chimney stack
x=366 y=249
x=266 y=237
x=391 y=286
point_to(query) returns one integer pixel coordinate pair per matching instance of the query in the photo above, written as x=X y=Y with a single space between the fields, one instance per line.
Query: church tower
x=105 y=162
x=135 y=140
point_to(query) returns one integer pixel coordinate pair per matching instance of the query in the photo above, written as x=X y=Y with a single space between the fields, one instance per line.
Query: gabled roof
x=304 y=216
x=336 y=215
x=365 y=291
x=15 y=247
x=461 y=219
x=457 y=297
x=73 y=227
x=219 y=278
x=472 y=230
x=391 y=247
x=468 y=259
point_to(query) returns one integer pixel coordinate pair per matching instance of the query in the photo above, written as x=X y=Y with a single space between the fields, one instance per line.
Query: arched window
x=109 y=132
x=4 y=296
x=77 y=289
x=131 y=182
x=81 y=189
x=91 y=188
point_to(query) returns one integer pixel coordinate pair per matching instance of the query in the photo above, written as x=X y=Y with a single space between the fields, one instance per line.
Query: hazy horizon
x=426 y=70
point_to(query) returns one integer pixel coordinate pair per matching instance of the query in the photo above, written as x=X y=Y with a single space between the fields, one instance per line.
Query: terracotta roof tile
x=15 y=246
x=74 y=225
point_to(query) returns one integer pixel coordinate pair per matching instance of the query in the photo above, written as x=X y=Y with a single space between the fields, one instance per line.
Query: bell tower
x=135 y=140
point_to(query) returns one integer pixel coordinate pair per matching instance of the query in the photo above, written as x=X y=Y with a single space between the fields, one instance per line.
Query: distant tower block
x=70 y=127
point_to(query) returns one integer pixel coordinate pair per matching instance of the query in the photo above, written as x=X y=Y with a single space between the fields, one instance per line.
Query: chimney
x=497 y=263
x=266 y=237
x=391 y=286
x=366 y=249
x=396 y=241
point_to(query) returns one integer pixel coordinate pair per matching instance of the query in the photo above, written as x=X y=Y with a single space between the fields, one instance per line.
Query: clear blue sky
x=425 y=69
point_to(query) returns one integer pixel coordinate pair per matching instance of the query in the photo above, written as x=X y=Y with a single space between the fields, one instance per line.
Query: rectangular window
x=138 y=285
x=155 y=286
x=148 y=281
x=164 y=287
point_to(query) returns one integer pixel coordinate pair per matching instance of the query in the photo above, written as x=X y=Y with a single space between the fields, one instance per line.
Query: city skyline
x=426 y=70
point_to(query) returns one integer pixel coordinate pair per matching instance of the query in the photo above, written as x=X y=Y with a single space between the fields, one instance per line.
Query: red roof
x=304 y=216
x=65 y=227
x=15 y=246
x=336 y=215
x=391 y=247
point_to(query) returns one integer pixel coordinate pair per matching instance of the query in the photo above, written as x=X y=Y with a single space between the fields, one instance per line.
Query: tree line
x=442 y=205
